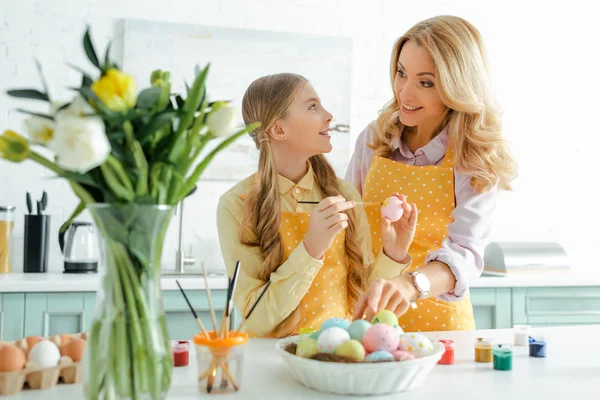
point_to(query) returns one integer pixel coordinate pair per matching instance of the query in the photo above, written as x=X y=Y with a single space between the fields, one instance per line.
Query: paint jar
x=181 y=353
x=503 y=354
x=483 y=350
x=220 y=362
x=521 y=335
x=448 y=356
x=537 y=346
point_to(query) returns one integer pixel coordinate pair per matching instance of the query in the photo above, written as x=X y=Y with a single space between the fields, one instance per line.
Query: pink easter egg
x=401 y=355
x=392 y=209
x=381 y=337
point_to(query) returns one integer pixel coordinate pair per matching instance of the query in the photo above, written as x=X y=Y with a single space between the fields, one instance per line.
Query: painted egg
x=331 y=338
x=315 y=335
x=379 y=356
x=401 y=355
x=385 y=317
x=45 y=354
x=335 y=322
x=417 y=344
x=392 y=209
x=358 y=328
x=381 y=337
x=352 y=349
x=306 y=348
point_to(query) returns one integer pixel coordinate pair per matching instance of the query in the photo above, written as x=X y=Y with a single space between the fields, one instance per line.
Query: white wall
x=544 y=62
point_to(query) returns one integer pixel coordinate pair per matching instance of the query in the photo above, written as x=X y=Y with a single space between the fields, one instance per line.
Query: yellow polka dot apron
x=327 y=296
x=431 y=188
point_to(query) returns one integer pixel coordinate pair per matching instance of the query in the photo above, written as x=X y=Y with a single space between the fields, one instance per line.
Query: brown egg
x=11 y=358
x=65 y=338
x=32 y=340
x=73 y=349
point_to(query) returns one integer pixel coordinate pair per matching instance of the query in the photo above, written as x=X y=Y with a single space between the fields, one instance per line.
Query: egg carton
x=33 y=377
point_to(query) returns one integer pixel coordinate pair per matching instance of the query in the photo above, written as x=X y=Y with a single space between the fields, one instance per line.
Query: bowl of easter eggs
x=362 y=357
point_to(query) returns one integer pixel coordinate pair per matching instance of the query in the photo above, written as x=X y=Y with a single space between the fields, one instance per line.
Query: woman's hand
x=398 y=236
x=394 y=295
x=327 y=220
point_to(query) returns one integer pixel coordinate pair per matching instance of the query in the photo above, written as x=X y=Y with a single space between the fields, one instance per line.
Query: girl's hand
x=394 y=295
x=326 y=221
x=398 y=236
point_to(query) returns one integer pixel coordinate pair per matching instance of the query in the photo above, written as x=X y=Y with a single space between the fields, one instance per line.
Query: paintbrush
x=241 y=325
x=210 y=303
x=366 y=203
x=202 y=328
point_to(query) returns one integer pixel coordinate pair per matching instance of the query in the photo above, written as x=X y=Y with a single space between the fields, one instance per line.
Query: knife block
x=35 y=247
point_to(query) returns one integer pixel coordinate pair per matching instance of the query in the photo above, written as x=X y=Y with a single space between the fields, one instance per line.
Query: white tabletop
x=572 y=368
x=18 y=282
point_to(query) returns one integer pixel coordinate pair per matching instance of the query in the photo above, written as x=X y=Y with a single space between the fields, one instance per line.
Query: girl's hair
x=266 y=101
x=473 y=120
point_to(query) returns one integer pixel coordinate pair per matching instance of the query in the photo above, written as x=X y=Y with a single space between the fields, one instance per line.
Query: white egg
x=45 y=354
x=331 y=338
x=417 y=344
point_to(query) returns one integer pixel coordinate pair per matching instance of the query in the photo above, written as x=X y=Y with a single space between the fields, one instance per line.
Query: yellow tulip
x=116 y=90
x=13 y=147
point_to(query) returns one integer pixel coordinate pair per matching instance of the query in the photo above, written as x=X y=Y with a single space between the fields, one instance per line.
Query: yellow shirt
x=291 y=281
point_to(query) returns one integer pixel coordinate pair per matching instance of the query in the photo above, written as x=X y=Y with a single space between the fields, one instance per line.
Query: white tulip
x=80 y=143
x=40 y=130
x=221 y=122
x=79 y=107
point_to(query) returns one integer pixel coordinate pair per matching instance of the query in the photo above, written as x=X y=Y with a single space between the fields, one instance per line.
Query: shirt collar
x=434 y=150
x=306 y=183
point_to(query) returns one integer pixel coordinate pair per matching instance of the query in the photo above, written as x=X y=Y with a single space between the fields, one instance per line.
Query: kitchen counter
x=18 y=282
x=58 y=282
x=571 y=369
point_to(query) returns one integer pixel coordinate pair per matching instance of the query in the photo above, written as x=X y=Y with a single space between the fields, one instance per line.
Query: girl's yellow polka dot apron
x=432 y=189
x=327 y=296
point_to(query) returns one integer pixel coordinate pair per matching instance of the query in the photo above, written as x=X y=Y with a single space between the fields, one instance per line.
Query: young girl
x=317 y=257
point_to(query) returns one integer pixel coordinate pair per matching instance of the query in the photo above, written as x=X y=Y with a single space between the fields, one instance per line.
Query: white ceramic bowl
x=359 y=378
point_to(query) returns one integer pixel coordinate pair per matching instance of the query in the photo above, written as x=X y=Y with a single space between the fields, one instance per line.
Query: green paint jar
x=503 y=355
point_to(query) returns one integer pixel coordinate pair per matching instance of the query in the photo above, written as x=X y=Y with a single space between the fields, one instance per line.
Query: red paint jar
x=448 y=356
x=181 y=353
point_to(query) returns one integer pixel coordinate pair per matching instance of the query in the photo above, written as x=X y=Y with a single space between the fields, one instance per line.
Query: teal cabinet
x=12 y=315
x=45 y=314
x=492 y=307
x=553 y=306
x=49 y=314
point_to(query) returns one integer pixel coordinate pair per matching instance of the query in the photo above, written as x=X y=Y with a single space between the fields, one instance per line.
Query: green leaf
x=80 y=70
x=191 y=181
x=28 y=94
x=80 y=178
x=148 y=97
x=46 y=116
x=113 y=183
x=86 y=81
x=179 y=101
x=74 y=214
x=107 y=63
x=44 y=84
x=157 y=123
x=89 y=49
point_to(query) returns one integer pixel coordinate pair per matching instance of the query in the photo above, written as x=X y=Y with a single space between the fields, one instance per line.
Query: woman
x=316 y=258
x=438 y=140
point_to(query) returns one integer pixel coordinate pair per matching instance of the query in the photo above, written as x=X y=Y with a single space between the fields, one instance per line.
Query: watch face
x=422 y=282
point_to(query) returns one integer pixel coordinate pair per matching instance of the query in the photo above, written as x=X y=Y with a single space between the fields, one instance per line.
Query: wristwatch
x=421 y=282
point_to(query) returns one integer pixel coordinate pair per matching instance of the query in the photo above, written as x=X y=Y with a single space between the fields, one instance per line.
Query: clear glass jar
x=7 y=223
x=220 y=362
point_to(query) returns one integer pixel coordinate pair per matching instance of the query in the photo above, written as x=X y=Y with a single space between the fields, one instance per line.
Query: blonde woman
x=317 y=257
x=439 y=141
